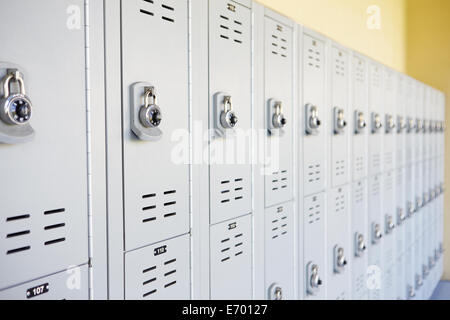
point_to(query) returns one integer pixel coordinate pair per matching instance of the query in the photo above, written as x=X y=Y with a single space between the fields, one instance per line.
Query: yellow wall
x=428 y=59
x=346 y=22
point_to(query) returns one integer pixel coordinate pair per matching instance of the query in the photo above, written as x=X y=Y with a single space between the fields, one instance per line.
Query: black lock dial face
x=155 y=117
x=20 y=110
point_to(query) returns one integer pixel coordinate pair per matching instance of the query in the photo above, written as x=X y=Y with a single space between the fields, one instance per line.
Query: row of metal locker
x=194 y=149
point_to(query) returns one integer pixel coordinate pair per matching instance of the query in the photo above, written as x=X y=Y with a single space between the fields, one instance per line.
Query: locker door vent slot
x=388 y=158
x=360 y=72
x=360 y=283
x=314 y=173
x=376 y=78
x=159 y=277
x=54 y=226
x=314 y=56
x=375 y=188
x=279 y=180
x=231 y=190
x=376 y=161
x=230 y=29
x=231 y=247
x=359 y=194
x=279 y=224
x=339 y=65
x=18 y=234
x=314 y=211
x=339 y=204
x=167 y=10
x=155 y=208
x=389 y=183
x=339 y=167
x=279 y=42
x=359 y=164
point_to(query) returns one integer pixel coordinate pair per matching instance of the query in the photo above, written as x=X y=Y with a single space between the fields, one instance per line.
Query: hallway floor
x=442 y=291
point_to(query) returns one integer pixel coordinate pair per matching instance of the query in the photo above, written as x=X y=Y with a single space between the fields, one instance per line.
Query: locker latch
x=376 y=233
x=430 y=262
x=432 y=195
x=275 y=292
x=432 y=126
x=401 y=124
x=339 y=120
x=376 y=122
x=410 y=291
x=390 y=225
x=360 y=122
x=277 y=119
x=401 y=216
x=411 y=209
x=425 y=271
x=339 y=259
x=360 y=244
x=390 y=123
x=419 y=126
x=313 y=122
x=426 y=198
x=16 y=107
x=313 y=281
x=436 y=254
x=419 y=203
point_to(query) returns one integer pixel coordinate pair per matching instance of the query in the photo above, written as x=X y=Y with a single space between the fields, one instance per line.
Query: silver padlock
x=376 y=233
x=419 y=126
x=339 y=120
x=360 y=244
x=390 y=225
x=376 y=122
x=339 y=259
x=313 y=122
x=16 y=107
x=425 y=271
x=278 y=119
x=401 y=216
x=419 y=281
x=410 y=292
x=411 y=209
x=360 y=122
x=419 y=203
x=275 y=292
x=150 y=114
x=401 y=124
x=313 y=281
x=228 y=118
x=390 y=123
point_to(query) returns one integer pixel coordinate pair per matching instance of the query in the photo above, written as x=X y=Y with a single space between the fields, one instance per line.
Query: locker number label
x=160 y=250
x=37 y=291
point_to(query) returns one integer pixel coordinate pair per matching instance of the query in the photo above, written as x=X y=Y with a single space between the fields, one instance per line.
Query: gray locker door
x=314 y=238
x=43 y=220
x=314 y=145
x=279 y=245
x=389 y=90
x=156 y=180
x=72 y=284
x=389 y=243
x=278 y=89
x=375 y=108
x=231 y=259
x=338 y=223
x=230 y=75
x=339 y=73
x=160 y=271
x=358 y=259
x=359 y=105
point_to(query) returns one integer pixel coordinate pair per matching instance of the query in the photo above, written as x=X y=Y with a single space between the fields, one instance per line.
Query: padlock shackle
x=227 y=103
x=149 y=92
x=7 y=81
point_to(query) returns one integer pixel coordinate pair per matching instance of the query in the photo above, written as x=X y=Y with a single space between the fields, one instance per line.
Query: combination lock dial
x=360 y=122
x=376 y=122
x=339 y=121
x=150 y=114
x=390 y=123
x=16 y=108
x=360 y=245
x=278 y=119
x=228 y=118
x=275 y=292
x=313 y=122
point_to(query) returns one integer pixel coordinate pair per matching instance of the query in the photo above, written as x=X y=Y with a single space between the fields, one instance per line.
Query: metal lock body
x=313 y=122
x=410 y=208
x=436 y=254
x=360 y=122
x=432 y=194
x=426 y=126
x=425 y=271
x=16 y=108
x=228 y=118
x=275 y=292
x=410 y=292
x=390 y=225
x=419 y=203
x=430 y=262
x=432 y=126
x=339 y=120
x=441 y=248
x=401 y=216
x=339 y=259
x=376 y=122
x=419 y=281
x=313 y=281
x=150 y=114
x=410 y=124
x=401 y=124
x=390 y=123
x=278 y=120
x=376 y=233
x=360 y=244
x=426 y=197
